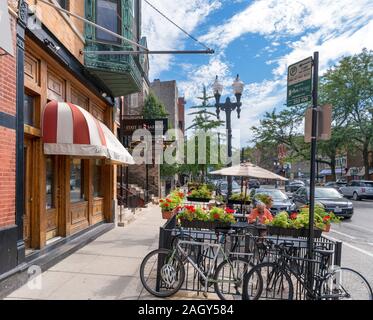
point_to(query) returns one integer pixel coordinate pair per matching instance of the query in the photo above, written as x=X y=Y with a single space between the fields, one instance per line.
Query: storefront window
x=49 y=168
x=28 y=109
x=76 y=180
x=97 y=179
x=64 y=4
x=108 y=15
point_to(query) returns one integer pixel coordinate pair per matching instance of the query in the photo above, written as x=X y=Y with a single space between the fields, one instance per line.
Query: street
x=357 y=237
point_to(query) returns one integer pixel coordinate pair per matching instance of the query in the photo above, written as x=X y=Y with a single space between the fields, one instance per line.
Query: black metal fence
x=247 y=244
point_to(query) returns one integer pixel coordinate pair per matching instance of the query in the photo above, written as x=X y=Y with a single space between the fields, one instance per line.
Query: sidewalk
x=107 y=268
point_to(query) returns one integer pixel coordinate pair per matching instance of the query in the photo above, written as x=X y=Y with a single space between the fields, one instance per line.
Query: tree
x=348 y=86
x=283 y=128
x=153 y=108
x=205 y=121
x=203 y=118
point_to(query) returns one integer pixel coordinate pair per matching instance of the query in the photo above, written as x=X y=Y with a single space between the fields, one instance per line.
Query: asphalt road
x=357 y=237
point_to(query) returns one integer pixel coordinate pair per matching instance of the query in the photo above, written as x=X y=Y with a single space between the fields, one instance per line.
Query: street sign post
x=303 y=78
x=299 y=88
x=324 y=123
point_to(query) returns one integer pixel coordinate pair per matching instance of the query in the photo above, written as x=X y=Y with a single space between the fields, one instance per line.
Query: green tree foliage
x=153 y=108
x=348 y=86
x=204 y=119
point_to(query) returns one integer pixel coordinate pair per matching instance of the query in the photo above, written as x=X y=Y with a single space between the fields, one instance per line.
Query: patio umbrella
x=249 y=170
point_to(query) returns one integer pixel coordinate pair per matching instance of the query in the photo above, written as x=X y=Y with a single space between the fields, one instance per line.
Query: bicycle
x=165 y=275
x=273 y=280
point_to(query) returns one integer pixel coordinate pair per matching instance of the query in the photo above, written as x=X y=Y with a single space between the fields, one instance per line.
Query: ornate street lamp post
x=228 y=107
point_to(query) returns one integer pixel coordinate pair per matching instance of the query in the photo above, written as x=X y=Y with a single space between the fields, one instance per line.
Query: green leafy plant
x=174 y=200
x=301 y=220
x=239 y=196
x=201 y=192
x=265 y=198
x=201 y=214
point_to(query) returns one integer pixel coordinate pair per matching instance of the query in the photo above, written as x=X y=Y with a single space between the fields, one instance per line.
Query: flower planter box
x=292 y=232
x=192 y=199
x=168 y=214
x=247 y=202
x=198 y=224
x=327 y=228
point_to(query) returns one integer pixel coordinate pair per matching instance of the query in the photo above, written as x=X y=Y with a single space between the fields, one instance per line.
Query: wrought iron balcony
x=122 y=74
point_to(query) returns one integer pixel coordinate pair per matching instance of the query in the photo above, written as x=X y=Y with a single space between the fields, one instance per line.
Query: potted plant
x=265 y=198
x=324 y=218
x=239 y=197
x=202 y=218
x=171 y=204
x=202 y=194
x=295 y=225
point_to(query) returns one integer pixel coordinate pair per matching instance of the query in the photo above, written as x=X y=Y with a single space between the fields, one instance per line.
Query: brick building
x=58 y=150
x=8 y=229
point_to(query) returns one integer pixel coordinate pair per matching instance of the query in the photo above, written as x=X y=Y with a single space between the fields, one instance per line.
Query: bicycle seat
x=324 y=252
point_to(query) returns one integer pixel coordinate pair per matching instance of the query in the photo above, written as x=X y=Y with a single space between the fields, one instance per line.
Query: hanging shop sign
x=153 y=125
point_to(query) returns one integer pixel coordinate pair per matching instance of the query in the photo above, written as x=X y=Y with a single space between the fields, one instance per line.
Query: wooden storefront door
x=28 y=203
x=52 y=206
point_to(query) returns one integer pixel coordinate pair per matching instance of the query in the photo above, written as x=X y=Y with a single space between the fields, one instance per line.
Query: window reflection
x=49 y=168
x=107 y=17
x=97 y=179
x=76 y=180
x=28 y=109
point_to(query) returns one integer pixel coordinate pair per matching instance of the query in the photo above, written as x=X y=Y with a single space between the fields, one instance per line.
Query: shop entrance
x=28 y=191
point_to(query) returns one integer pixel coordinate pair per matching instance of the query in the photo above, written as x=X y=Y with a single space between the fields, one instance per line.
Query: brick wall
x=8 y=136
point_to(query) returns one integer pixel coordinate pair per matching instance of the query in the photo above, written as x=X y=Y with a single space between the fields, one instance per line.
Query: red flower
x=216 y=216
x=229 y=210
x=189 y=193
x=161 y=201
x=166 y=205
x=168 y=200
x=293 y=216
x=181 y=195
x=326 y=218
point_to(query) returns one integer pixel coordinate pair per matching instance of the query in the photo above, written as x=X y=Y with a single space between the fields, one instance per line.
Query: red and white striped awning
x=70 y=130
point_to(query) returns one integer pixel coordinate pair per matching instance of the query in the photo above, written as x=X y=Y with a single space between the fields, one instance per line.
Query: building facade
x=168 y=94
x=54 y=90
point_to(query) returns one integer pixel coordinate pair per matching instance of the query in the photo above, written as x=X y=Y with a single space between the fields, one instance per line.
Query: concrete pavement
x=107 y=268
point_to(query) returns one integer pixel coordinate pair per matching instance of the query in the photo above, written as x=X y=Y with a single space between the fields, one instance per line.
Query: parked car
x=336 y=185
x=294 y=185
x=253 y=183
x=330 y=198
x=281 y=202
x=358 y=190
x=222 y=188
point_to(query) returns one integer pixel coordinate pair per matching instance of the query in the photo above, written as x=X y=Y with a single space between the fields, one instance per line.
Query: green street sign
x=299 y=89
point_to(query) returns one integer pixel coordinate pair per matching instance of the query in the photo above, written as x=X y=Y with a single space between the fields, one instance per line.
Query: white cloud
x=162 y=35
x=334 y=28
x=278 y=18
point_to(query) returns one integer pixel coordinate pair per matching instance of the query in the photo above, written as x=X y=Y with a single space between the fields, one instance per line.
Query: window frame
x=119 y=21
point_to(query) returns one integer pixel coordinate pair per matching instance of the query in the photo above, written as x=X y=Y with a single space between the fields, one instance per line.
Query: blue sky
x=258 y=40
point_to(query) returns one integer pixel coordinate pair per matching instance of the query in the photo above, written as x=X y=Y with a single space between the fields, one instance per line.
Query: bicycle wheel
x=267 y=281
x=345 y=283
x=162 y=272
x=228 y=278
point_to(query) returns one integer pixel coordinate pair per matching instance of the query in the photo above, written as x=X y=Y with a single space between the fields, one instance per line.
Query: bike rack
x=192 y=282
